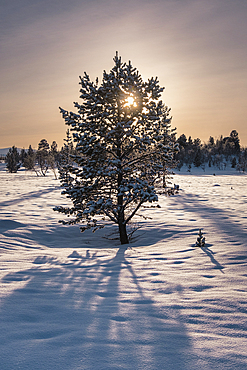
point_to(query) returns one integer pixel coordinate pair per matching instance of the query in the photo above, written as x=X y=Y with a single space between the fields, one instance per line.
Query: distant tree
x=66 y=158
x=23 y=155
x=54 y=150
x=53 y=158
x=123 y=138
x=169 y=161
x=198 y=158
x=42 y=156
x=190 y=141
x=242 y=161
x=12 y=160
x=30 y=151
x=30 y=160
x=220 y=145
x=43 y=146
x=241 y=165
x=244 y=153
x=234 y=162
x=182 y=141
x=235 y=139
x=181 y=155
x=197 y=142
x=211 y=141
x=209 y=160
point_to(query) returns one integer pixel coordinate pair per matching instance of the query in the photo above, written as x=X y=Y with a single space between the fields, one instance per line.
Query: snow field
x=79 y=301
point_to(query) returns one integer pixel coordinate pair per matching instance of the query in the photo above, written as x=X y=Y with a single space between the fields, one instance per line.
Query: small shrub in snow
x=200 y=241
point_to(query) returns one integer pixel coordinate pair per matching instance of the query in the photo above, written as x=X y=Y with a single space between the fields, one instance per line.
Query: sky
x=197 y=48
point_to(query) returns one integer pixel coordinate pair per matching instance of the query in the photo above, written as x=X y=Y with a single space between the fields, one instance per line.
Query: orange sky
x=197 y=49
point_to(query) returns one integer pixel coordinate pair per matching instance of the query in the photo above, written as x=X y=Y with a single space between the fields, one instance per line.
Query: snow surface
x=78 y=301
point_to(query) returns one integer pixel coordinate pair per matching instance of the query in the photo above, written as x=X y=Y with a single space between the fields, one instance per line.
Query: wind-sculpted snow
x=72 y=300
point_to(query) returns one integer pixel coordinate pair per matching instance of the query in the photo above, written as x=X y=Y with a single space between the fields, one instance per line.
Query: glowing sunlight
x=130 y=102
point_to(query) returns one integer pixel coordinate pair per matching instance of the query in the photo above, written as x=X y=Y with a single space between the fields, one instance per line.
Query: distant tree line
x=216 y=152
x=41 y=160
x=192 y=152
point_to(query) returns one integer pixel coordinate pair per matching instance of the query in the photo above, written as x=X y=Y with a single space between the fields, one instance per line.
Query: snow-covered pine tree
x=123 y=139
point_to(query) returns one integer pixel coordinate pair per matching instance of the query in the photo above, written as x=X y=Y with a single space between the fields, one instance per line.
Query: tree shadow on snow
x=27 y=196
x=219 y=218
x=89 y=313
x=210 y=254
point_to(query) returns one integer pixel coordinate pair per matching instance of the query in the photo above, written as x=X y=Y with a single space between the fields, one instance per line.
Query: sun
x=130 y=102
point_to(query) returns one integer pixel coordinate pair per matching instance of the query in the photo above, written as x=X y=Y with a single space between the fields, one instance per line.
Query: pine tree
x=42 y=156
x=29 y=162
x=53 y=158
x=12 y=160
x=54 y=150
x=235 y=139
x=198 y=158
x=123 y=139
x=23 y=155
x=65 y=158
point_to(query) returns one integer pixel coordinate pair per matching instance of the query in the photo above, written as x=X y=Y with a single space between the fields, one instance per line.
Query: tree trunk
x=121 y=224
x=123 y=233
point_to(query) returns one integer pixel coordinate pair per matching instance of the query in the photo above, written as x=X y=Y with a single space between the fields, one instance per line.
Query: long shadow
x=31 y=194
x=6 y=225
x=218 y=217
x=58 y=235
x=89 y=313
x=52 y=235
x=212 y=258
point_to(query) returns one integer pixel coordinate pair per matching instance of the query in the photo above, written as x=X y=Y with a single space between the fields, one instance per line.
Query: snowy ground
x=76 y=301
